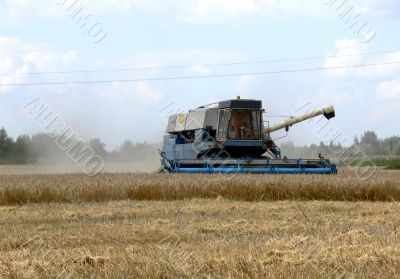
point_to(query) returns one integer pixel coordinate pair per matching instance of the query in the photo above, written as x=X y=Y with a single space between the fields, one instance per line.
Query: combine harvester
x=231 y=137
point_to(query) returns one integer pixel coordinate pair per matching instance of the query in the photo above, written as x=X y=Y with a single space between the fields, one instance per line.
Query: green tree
x=391 y=146
x=370 y=143
x=22 y=150
x=369 y=137
x=6 y=146
x=356 y=141
x=98 y=147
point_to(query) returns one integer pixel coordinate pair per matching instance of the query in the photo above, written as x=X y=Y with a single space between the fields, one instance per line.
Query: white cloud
x=295 y=7
x=217 y=10
x=389 y=90
x=17 y=11
x=18 y=57
x=345 y=50
x=345 y=47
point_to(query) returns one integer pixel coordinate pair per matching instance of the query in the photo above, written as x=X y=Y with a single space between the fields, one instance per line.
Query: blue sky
x=39 y=36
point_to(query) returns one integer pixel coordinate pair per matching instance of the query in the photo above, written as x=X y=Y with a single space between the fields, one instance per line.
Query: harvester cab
x=231 y=137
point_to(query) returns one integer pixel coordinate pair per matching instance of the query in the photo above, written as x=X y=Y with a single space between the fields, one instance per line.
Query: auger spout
x=328 y=112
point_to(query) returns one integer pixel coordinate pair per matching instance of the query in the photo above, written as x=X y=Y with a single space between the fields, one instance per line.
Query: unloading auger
x=232 y=137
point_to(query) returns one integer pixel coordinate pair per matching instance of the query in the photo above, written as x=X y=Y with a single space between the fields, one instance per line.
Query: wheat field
x=199 y=226
x=73 y=188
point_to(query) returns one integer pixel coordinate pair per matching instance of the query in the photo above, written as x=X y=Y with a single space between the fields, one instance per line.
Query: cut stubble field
x=199 y=226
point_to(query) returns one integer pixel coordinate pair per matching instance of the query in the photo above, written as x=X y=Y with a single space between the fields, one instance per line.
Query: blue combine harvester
x=230 y=137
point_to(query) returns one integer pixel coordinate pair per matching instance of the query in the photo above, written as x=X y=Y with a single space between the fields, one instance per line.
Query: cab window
x=244 y=125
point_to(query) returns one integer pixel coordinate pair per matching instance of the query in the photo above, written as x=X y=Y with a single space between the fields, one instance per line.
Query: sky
x=148 y=40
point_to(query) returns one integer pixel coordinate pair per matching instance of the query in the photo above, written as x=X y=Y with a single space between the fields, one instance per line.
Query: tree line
x=41 y=148
x=368 y=144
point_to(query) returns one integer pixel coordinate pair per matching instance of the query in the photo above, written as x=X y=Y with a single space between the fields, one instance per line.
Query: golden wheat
x=67 y=188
